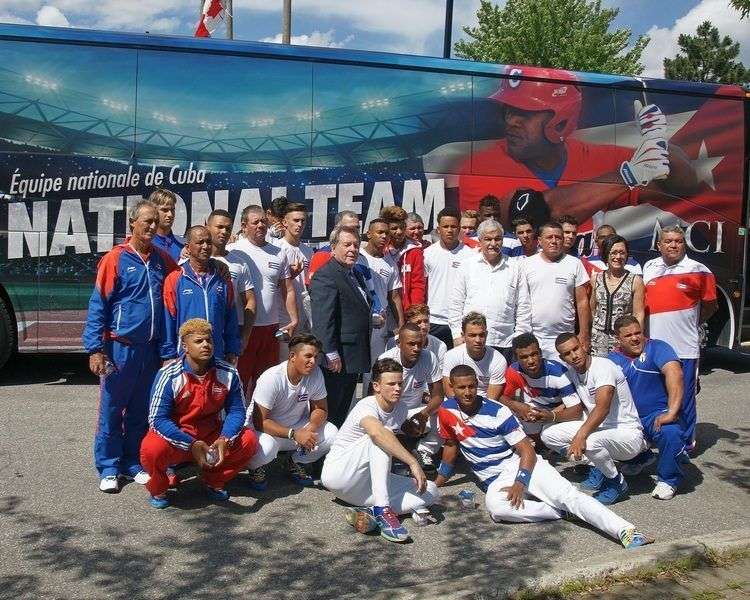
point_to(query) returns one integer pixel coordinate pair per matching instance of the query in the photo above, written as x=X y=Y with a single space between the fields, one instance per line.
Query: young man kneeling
x=358 y=467
x=185 y=421
x=493 y=442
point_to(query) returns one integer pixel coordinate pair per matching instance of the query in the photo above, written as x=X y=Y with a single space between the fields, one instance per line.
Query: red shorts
x=157 y=454
x=262 y=353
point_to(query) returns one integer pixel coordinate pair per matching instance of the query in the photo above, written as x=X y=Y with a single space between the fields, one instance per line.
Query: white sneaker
x=422 y=517
x=142 y=478
x=109 y=484
x=663 y=491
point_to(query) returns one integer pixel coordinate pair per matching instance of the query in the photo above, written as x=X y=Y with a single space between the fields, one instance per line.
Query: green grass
x=672 y=569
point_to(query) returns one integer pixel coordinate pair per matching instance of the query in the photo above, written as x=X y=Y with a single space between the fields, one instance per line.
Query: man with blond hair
x=166 y=202
x=185 y=418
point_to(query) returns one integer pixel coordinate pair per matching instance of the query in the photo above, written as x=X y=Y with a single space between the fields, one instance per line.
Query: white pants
x=430 y=441
x=554 y=494
x=603 y=446
x=270 y=446
x=378 y=340
x=362 y=476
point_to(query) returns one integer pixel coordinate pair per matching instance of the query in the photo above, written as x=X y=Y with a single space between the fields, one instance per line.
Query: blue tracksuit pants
x=123 y=407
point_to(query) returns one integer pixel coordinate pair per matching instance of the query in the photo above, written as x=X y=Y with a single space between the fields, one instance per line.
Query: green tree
x=741 y=5
x=563 y=34
x=706 y=57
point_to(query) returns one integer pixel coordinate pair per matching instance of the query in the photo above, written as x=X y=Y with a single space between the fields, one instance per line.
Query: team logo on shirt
x=130 y=269
x=219 y=288
x=187 y=292
x=303 y=397
x=561 y=280
x=383 y=273
x=683 y=286
x=455 y=264
x=418 y=384
x=217 y=389
x=273 y=264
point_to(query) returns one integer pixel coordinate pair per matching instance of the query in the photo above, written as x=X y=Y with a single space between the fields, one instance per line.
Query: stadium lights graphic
x=41 y=82
x=376 y=103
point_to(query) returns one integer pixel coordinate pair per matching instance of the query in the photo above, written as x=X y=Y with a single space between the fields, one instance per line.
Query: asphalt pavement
x=62 y=538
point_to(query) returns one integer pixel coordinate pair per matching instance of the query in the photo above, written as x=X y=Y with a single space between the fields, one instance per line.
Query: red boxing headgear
x=561 y=96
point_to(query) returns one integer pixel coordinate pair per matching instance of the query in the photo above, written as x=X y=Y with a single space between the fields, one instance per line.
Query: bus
x=91 y=122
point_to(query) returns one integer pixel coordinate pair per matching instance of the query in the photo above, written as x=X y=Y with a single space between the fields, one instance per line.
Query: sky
x=413 y=27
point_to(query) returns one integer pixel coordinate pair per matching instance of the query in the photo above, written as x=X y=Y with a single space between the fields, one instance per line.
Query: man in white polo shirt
x=488 y=283
x=299 y=254
x=554 y=284
x=219 y=225
x=421 y=390
x=680 y=296
x=290 y=412
x=269 y=267
x=488 y=363
x=386 y=282
x=441 y=262
x=611 y=430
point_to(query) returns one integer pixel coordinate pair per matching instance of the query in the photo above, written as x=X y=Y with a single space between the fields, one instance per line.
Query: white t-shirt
x=416 y=378
x=490 y=369
x=440 y=266
x=352 y=431
x=268 y=266
x=385 y=274
x=550 y=287
x=434 y=345
x=622 y=411
x=302 y=253
x=242 y=281
x=288 y=403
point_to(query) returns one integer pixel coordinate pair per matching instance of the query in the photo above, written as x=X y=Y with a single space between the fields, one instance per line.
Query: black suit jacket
x=341 y=316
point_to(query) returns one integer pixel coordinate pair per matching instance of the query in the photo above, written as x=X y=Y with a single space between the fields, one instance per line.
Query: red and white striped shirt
x=673 y=302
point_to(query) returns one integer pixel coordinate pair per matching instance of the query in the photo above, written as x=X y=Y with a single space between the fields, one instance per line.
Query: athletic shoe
x=217 y=495
x=361 y=519
x=390 y=527
x=426 y=461
x=690 y=448
x=632 y=538
x=663 y=491
x=158 y=501
x=258 y=480
x=612 y=490
x=683 y=458
x=637 y=465
x=422 y=517
x=298 y=474
x=109 y=484
x=172 y=480
x=594 y=480
x=141 y=477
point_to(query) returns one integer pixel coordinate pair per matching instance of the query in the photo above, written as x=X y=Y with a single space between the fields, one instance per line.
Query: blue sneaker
x=217 y=495
x=158 y=501
x=632 y=538
x=258 y=480
x=390 y=527
x=613 y=490
x=299 y=474
x=594 y=480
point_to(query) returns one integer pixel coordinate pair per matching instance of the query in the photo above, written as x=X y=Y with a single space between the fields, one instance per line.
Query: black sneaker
x=426 y=461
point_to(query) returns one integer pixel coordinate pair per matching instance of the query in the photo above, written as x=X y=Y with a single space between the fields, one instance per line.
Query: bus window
x=223 y=109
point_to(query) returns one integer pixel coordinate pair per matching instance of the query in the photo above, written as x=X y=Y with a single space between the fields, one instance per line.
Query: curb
x=614 y=563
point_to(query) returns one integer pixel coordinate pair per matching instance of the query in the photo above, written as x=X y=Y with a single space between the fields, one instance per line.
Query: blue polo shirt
x=646 y=381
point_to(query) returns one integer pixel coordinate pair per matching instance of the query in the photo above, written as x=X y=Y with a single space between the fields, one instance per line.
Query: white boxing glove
x=650 y=120
x=650 y=162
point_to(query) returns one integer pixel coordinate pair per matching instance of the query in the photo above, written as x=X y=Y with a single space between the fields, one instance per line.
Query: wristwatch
x=290 y=435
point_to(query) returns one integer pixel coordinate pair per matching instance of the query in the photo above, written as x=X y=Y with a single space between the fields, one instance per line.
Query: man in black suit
x=341 y=320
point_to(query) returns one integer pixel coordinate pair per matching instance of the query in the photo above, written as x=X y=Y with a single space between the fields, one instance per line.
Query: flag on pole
x=211 y=17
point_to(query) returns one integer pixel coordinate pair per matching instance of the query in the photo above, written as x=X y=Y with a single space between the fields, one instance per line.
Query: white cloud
x=13 y=19
x=51 y=16
x=316 y=38
x=411 y=23
x=664 y=40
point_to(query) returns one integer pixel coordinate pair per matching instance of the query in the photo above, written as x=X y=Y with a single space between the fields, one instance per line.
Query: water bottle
x=467 y=499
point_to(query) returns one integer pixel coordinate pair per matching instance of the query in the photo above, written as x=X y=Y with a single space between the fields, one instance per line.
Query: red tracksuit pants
x=157 y=454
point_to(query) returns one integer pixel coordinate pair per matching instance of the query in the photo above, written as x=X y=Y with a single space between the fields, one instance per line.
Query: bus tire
x=721 y=330
x=7 y=333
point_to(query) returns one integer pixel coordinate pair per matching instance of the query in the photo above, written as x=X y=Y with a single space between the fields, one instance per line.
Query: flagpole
x=286 y=23
x=448 y=29
x=230 y=19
